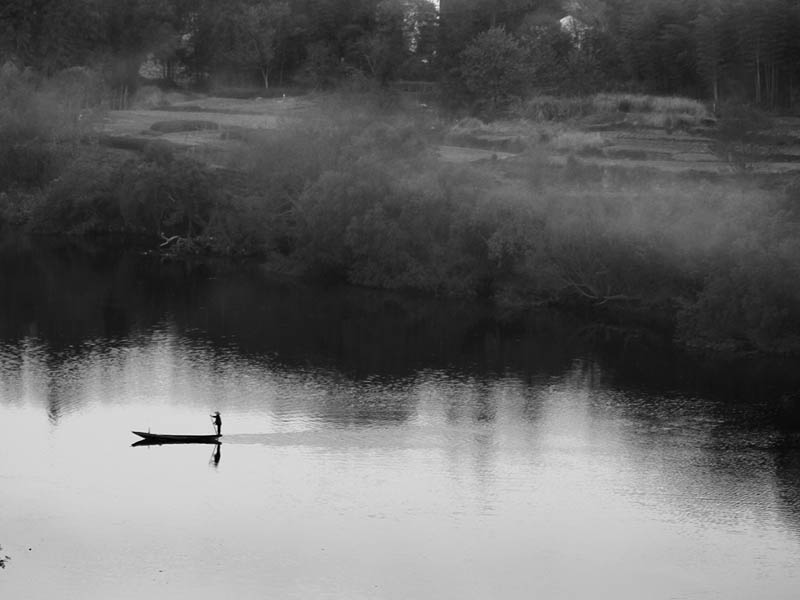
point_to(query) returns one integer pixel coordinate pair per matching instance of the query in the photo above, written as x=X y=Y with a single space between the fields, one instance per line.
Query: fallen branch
x=168 y=240
x=589 y=292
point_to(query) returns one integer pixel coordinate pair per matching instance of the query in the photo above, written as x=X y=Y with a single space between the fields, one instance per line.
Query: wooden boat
x=166 y=438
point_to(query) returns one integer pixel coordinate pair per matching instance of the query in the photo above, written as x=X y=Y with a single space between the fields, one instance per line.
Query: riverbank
x=70 y=292
x=633 y=222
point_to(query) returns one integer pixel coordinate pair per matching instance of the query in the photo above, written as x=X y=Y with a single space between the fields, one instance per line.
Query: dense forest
x=485 y=51
x=355 y=191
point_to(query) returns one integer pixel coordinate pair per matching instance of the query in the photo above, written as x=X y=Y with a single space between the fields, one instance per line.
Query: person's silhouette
x=217 y=422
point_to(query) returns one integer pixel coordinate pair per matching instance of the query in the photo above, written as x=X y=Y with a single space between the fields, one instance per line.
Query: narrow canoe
x=166 y=438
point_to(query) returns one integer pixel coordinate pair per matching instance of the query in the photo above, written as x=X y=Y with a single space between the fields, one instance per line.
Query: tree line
x=489 y=51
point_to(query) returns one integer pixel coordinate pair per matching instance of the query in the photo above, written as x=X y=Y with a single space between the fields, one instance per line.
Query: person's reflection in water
x=215 y=456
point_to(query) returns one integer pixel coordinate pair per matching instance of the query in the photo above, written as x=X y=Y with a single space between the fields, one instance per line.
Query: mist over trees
x=485 y=51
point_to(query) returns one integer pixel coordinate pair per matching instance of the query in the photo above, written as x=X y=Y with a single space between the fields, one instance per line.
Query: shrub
x=79 y=201
x=18 y=206
x=380 y=251
x=747 y=301
x=677 y=105
x=577 y=141
x=660 y=110
x=552 y=108
x=416 y=238
x=37 y=118
x=239 y=225
x=369 y=224
x=149 y=96
x=325 y=211
x=739 y=121
x=183 y=125
x=26 y=157
x=388 y=141
x=27 y=164
x=80 y=93
x=282 y=164
x=352 y=201
x=171 y=196
x=644 y=103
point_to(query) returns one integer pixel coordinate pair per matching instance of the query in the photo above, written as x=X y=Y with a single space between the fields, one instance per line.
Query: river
x=375 y=446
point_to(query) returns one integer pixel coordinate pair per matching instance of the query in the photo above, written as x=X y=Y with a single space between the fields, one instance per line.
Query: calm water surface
x=374 y=447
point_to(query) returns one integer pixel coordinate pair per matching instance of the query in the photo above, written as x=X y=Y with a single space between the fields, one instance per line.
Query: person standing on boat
x=217 y=422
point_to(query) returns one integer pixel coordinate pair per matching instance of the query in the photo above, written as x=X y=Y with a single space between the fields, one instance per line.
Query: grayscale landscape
x=400 y=299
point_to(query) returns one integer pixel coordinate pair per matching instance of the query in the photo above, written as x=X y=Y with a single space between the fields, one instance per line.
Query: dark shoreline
x=393 y=331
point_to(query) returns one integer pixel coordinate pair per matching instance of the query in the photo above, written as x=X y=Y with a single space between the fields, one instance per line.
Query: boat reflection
x=216 y=455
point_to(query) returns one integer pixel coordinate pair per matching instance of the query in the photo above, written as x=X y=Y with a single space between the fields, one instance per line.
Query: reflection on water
x=375 y=447
x=213 y=461
x=216 y=456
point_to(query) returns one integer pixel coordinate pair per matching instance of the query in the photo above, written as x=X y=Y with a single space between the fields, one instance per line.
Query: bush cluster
x=40 y=119
x=717 y=260
x=652 y=111
x=160 y=196
x=359 y=197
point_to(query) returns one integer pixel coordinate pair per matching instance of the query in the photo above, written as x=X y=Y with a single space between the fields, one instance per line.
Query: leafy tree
x=710 y=47
x=51 y=34
x=597 y=14
x=768 y=32
x=658 y=44
x=245 y=34
x=421 y=26
x=462 y=20
x=174 y=48
x=321 y=64
x=708 y=31
x=492 y=67
x=421 y=39
x=385 y=48
x=550 y=52
x=17 y=22
x=133 y=29
x=509 y=13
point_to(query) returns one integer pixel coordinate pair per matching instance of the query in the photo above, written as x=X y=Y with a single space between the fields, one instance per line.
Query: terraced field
x=210 y=124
